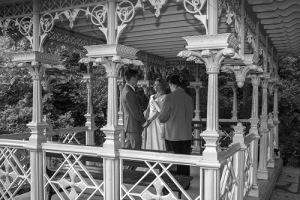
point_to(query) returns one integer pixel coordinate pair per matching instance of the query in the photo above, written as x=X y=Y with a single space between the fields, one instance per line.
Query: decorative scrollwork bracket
x=196 y=8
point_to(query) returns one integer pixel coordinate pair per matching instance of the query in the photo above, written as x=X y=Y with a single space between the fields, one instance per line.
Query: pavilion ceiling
x=162 y=36
x=281 y=21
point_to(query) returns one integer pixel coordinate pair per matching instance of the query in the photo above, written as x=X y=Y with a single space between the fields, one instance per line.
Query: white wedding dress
x=154 y=133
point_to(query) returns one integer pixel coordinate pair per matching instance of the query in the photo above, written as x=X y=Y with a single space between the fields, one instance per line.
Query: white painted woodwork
x=276 y=120
x=242 y=29
x=197 y=85
x=234 y=101
x=90 y=118
x=281 y=21
x=239 y=161
x=255 y=80
x=210 y=50
x=37 y=125
x=271 y=157
x=263 y=150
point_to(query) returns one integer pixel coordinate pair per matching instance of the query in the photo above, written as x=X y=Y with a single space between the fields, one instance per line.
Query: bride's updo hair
x=162 y=84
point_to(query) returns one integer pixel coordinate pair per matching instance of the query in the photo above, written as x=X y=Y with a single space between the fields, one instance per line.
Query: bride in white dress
x=154 y=131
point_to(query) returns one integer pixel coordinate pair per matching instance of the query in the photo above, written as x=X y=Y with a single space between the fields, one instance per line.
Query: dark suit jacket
x=177 y=114
x=133 y=115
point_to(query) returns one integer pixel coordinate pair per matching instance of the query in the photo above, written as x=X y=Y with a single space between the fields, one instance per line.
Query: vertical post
x=239 y=161
x=210 y=135
x=276 y=120
x=234 y=101
x=37 y=125
x=262 y=167
x=271 y=162
x=197 y=86
x=120 y=113
x=242 y=30
x=275 y=112
x=255 y=80
x=111 y=164
x=90 y=118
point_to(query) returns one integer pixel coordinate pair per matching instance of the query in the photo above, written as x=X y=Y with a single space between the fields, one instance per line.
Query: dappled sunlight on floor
x=288 y=185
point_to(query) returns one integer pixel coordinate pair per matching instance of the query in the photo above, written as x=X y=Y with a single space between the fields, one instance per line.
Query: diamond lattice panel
x=14 y=172
x=75 y=177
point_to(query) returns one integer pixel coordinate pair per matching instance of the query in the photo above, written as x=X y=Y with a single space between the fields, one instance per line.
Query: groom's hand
x=147 y=123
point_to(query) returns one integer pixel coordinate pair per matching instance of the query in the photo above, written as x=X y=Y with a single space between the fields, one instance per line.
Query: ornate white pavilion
x=244 y=38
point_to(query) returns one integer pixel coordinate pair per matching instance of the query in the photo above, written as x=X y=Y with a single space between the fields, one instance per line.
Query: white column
x=37 y=125
x=234 y=101
x=120 y=112
x=262 y=172
x=239 y=161
x=242 y=30
x=90 y=118
x=255 y=80
x=271 y=161
x=111 y=165
x=276 y=120
x=211 y=135
x=197 y=144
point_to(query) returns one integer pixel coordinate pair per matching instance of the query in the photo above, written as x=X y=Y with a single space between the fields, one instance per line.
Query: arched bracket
x=125 y=12
x=240 y=71
x=25 y=26
x=196 y=7
x=98 y=16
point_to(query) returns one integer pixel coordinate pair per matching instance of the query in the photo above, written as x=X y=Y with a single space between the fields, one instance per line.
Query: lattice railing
x=228 y=180
x=78 y=174
x=248 y=171
x=72 y=135
x=155 y=176
x=249 y=165
x=14 y=169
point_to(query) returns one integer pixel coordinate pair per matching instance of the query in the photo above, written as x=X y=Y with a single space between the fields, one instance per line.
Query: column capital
x=196 y=84
x=210 y=49
x=255 y=80
x=112 y=57
x=265 y=78
x=264 y=84
x=35 y=57
x=211 y=58
x=35 y=61
x=241 y=70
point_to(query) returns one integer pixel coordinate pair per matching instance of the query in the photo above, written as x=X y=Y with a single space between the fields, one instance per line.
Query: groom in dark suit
x=133 y=115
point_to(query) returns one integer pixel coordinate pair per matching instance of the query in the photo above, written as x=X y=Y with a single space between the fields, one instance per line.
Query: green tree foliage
x=289 y=108
x=289 y=94
x=64 y=93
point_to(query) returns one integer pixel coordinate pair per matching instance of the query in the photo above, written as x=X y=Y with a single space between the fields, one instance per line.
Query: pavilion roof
x=279 y=19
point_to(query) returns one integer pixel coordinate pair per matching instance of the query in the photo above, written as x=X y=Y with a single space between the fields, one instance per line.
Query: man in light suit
x=177 y=114
x=133 y=115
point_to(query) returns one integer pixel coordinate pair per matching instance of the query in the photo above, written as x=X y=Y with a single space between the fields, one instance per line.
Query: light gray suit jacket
x=177 y=114
x=133 y=115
